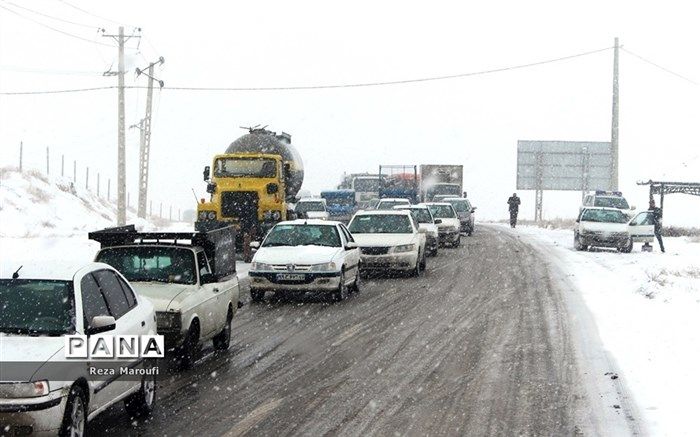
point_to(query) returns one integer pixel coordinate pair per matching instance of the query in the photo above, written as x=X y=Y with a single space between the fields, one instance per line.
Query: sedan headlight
x=325 y=267
x=168 y=320
x=14 y=390
x=404 y=248
x=256 y=266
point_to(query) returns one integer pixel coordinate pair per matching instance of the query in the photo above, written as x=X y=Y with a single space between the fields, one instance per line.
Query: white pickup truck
x=190 y=277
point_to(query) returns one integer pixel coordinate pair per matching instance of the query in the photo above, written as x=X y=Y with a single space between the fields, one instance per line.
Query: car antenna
x=15 y=275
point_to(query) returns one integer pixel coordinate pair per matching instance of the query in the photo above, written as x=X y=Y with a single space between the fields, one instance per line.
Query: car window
x=611 y=202
x=128 y=292
x=93 y=302
x=642 y=219
x=112 y=292
x=348 y=235
x=203 y=264
x=603 y=216
x=442 y=211
x=152 y=264
x=36 y=307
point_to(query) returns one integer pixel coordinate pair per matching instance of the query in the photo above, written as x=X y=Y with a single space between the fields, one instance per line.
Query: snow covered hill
x=34 y=205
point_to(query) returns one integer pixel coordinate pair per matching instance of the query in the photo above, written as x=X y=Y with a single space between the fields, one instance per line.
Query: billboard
x=564 y=165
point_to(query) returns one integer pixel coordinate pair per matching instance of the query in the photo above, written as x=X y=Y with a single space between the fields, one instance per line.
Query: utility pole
x=145 y=146
x=614 y=135
x=121 y=133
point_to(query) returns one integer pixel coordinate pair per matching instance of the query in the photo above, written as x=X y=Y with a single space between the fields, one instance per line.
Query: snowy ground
x=647 y=309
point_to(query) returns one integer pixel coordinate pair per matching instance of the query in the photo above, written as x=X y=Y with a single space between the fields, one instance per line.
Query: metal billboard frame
x=563 y=166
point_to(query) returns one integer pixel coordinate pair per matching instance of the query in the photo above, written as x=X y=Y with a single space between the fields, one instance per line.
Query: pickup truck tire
x=416 y=271
x=356 y=285
x=223 y=339
x=257 y=296
x=190 y=347
x=143 y=402
x=342 y=292
x=75 y=416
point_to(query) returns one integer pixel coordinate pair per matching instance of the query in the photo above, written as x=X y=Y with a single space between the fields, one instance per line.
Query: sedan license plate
x=290 y=277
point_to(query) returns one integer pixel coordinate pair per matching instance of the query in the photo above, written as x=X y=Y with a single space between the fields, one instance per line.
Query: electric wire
x=90 y=13
x=330 y=86
x=660 y=67
x=53 y=28
x=51 y=16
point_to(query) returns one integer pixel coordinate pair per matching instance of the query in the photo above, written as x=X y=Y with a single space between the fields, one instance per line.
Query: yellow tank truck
x=252 y=184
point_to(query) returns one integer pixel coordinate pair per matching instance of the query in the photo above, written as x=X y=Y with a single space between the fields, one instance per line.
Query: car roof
x=394 y=199
x=311 y=199
x=407 y=207
x=309 y=222
x=605 y=208
x=56 y=271
x=437 y=203
x=384 y=212
x=447 y=199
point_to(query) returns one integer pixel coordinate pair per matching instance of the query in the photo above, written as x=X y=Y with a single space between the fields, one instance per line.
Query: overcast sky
x=475 y=121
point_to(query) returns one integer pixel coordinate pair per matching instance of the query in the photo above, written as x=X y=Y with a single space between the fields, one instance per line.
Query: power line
x=89 y=13
x=660 y=67
x=331 y=86
x=51 y=16
x=53 y=28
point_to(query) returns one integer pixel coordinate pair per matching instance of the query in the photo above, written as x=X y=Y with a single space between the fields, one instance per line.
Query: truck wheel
x=223 y=339
x=257 y=296
x=143 y=402
x=190 y=347
x=75 y=415
x=342 y=292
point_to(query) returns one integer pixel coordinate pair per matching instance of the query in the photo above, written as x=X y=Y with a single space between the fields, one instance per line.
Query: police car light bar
x=608 y=193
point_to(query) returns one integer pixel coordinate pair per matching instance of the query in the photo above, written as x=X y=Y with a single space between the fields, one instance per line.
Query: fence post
x=150 y=209
x=63 y=164
x=128 y=200
x=160 y=214
x=98 y=184
x=109 y=183
x=47 y=160
x=170 y=214
x=21 y=147
x=87 y=178
x=75 y=172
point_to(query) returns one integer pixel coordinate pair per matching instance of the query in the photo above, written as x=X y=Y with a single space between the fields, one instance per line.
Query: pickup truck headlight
x=15 y=390
x=168 y=320
x=325 y=267
x=272 y=215
x=207 y=215
x=256 y=267
x=404 y=248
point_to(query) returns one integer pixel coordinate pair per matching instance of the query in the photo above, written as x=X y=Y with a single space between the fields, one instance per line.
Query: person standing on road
x=513 y=205
x=657 y=219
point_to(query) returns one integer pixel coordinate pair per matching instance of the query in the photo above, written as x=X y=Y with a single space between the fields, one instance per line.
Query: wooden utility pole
x=614 y=134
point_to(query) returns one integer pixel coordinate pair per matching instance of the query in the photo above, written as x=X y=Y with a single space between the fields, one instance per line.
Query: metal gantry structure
x=664 y=187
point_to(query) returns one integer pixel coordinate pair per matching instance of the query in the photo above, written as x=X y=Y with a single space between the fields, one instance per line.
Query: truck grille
x=240 y=204
x=380 y=250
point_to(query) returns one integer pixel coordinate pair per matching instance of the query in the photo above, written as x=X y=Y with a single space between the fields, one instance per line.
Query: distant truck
x=399 y=181
x=252 y=184
x=340 y=204
x=365 y=185
x=441 y=180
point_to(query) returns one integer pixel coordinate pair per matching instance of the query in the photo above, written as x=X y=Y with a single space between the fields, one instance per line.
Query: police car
x=607 y=199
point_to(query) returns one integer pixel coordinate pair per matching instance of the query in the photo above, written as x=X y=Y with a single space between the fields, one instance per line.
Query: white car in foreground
x=303 y=256
x=41 y=391
x=450 y=224
x=312 y=209
x=389 y=240
x=602 y=227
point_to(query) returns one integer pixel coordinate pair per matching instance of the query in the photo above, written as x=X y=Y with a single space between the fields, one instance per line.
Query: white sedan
x=41 y=391
x=450 y=224
x=303 y=256
x=389 y=240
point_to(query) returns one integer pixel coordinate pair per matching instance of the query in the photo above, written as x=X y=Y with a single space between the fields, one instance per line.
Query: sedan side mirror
x=438 y=221
x=101 y=324
x=633 y=207
x=473 y=208
x=351 y=245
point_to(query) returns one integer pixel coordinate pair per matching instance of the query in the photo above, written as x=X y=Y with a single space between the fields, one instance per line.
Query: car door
x=212 y=300
x=641 y=227
x=352 y=256
x=129 y=321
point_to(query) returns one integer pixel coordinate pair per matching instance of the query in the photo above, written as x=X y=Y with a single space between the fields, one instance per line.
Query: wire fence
x=92 y=177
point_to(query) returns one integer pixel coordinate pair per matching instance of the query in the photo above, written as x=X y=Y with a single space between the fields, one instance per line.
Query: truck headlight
x=324 y=267
x=272 y=215
x=404 y=248
x=14 y=390
x=211 y=215
x=207 y=215
x=256 y=266
x=168 y=319
x=202 y=215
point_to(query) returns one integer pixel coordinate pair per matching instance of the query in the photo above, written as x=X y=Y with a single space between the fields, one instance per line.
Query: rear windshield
x=381 y=224
x=390 y=204
x=36 y=307
x=152 y=264
x=420 y=215
x=611 y=202
x=460 y=205
x=310 y=206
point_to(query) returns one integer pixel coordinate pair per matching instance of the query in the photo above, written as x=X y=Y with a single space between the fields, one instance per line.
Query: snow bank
x=647 y=309
x=34 y=205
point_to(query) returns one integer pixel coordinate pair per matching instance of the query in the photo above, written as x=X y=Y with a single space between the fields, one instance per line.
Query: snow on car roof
x=309 y=222
x=394 y=199
x=62 y=271
x=383 y=212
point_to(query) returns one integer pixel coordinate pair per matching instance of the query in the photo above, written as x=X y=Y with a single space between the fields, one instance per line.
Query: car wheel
x=143 y=402
x=75 y=415
x=457 y=242
x=223 y=339
x=423 y=262
x=577 y=243
x=356 y=284
x=257 y=296
x=416 y=271
x=190 y=347
x=628 y=247
x=470 y=231
x=342 y=292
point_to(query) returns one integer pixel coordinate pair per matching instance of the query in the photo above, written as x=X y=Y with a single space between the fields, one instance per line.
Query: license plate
x=290 y=277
